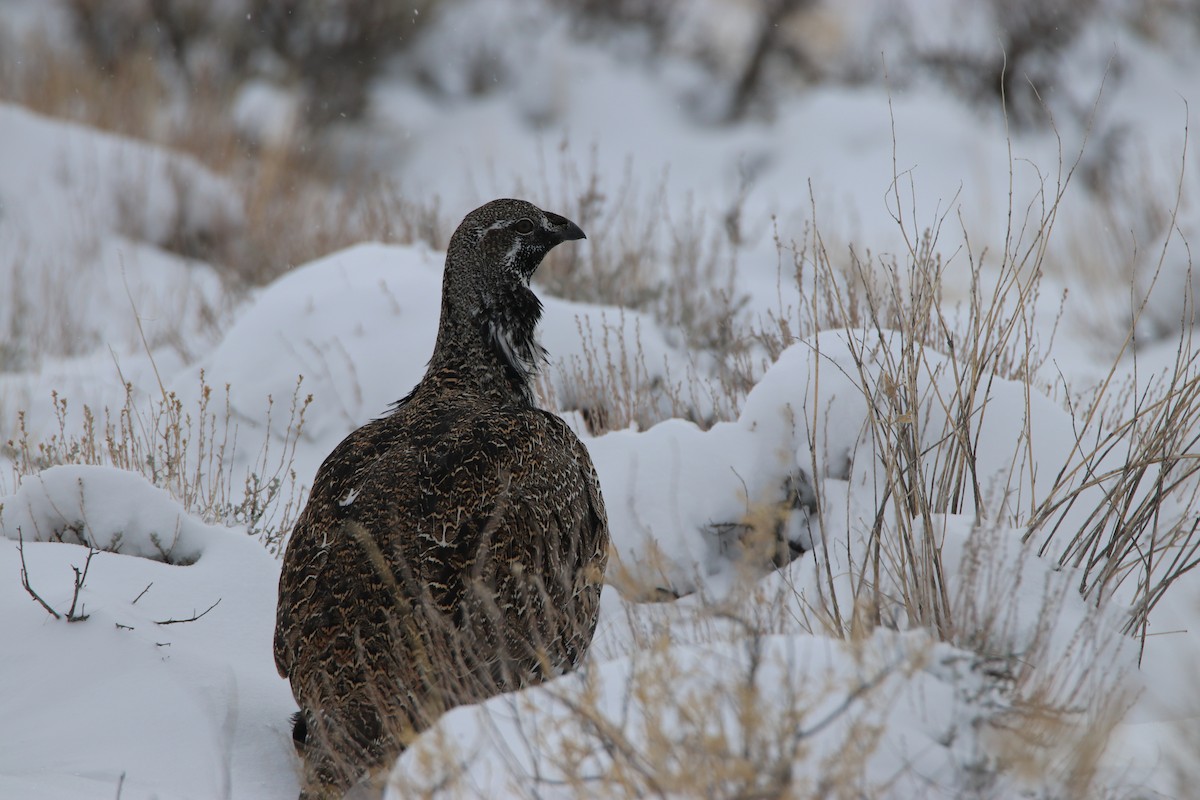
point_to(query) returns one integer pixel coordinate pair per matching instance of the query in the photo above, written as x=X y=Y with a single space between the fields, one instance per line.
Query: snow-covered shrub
x=1022 y=65
x=328 y=50
x=94 y=506
x=958 y=422
x=95 y=222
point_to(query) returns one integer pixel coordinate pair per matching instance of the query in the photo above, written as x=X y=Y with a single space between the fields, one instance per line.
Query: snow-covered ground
x=167 y=688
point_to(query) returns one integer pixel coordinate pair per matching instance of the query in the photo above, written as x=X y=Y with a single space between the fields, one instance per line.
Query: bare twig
x=80 y=577
x=192 y=618
x=25 y=578
x=142 y=592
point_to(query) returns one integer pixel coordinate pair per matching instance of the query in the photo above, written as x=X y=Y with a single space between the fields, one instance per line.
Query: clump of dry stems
x=190 y=451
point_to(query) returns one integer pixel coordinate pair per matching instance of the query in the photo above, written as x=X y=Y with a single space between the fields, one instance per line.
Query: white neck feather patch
x=525 y=358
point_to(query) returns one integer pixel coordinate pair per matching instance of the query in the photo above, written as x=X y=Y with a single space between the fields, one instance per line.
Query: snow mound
x=668 y=686
x=105 y=508
x=167 y=689
x=678 y=497
x=128 y=186
x=85 y=220
x=540 y=743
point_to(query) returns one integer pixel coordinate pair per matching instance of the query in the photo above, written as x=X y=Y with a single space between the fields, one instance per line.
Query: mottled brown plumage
x=453 y=549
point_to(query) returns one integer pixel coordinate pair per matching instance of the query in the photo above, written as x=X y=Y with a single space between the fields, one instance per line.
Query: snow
x=121 y=704
x=519 y=741
x=86 y=217
x=91 y=507
x=265 y=113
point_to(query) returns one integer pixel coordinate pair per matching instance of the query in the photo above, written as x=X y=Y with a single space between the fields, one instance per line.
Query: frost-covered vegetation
x=881 y=342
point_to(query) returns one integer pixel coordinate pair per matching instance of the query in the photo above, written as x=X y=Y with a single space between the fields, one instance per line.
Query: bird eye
x=524 y=226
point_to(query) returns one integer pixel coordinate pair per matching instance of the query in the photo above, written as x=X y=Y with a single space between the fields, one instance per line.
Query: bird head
x=486 y=297
x=509 y=238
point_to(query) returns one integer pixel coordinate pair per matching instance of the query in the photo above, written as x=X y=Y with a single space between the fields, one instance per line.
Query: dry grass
x=727 y=699
x=679 y=265
x=191 y=452
x=928 y=413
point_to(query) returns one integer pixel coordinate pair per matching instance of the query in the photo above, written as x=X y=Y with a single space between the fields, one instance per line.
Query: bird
x=453 y=548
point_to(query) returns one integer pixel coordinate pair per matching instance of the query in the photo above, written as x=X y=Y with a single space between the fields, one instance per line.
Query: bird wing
x=328 y=508
x=449 y=508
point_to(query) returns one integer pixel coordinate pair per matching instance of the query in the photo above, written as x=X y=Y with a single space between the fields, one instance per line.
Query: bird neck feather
x=510 y=330
x=493 y=339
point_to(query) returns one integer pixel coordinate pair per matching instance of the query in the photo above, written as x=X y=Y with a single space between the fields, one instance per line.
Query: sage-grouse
x=453 y=549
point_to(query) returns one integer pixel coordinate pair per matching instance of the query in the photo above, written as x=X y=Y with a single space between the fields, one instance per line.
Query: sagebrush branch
x=192 y=618
x=80 y=578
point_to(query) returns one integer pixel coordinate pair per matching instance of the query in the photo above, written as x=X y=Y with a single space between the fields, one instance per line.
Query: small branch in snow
x=142 y=592
x=192 y=618
x=80 y=577
x=25 y=578
x=858 y=691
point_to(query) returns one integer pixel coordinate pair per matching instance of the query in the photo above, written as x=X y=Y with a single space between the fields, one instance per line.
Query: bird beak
x=564 y=230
